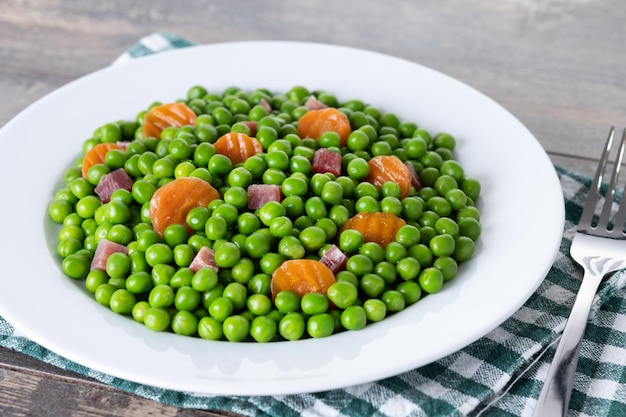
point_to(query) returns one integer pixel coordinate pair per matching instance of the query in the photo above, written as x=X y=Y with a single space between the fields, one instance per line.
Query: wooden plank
x=32 y=388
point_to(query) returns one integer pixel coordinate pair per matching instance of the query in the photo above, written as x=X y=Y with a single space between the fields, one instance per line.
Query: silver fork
x=599 y=247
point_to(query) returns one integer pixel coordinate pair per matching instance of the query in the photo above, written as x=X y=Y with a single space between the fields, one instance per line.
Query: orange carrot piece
x=171 y=203
x=166 y=115
x=302 y=276
x=315 y=122
x=376 y=227
x=96 y=156
x=237 y=146
x=387 y=168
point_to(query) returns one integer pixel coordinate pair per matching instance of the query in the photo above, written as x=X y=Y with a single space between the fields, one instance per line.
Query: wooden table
x=559 y=66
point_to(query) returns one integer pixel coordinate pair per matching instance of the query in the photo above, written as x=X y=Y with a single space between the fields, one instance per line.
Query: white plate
x=521 y=203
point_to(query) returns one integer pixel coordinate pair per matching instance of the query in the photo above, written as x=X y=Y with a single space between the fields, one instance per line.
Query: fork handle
x=557 y=388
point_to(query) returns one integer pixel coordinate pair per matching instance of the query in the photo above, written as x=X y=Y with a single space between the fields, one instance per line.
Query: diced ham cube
x=266 y=105
x=312 y=103
x=111 y=182
x=205 y=258
x=104 y=249
x=259 y=194
x=334 y=259
x=251 y=125
x=415 y=181
x=327 y=161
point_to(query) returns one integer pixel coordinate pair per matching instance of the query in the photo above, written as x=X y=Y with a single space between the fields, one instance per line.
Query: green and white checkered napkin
x=499 y=375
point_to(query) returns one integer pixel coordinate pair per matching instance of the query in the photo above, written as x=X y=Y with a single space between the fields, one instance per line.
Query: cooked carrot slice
x=96 y=156
x=237 y=146
x=315 y=122
x=166 y=115
x=302 y=276
x=376 y=227
x=387 y=168
x=171 y=203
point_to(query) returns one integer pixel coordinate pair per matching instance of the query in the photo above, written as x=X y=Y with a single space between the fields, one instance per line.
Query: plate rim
x=284 y=388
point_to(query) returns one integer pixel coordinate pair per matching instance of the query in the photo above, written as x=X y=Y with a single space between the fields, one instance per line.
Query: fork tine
x=589 y=208
x=605 y=215
x=620 y=217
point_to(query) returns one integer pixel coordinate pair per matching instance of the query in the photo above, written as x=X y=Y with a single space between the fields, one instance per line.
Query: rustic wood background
x=558 y=65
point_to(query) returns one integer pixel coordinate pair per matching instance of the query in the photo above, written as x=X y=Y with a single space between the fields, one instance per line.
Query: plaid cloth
x=498 y=375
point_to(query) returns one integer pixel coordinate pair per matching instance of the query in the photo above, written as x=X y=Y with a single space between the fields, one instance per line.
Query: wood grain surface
x=557 y=65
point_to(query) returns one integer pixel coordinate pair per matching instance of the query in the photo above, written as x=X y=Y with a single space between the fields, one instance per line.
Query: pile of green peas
x=153 y=283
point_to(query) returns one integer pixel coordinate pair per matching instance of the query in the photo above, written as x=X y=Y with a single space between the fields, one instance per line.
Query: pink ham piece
x=111 y=182
x=251 y=125
x=205 y=258
x=312 y=103
x=415 y=181
x=266 y=105
x=327 y=161
x=259 y=194
x=104 y=249
x=334 y=259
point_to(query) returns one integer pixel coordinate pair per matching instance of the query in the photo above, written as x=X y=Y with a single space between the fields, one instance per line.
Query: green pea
x=142 y=191
x=161 y=296
x=411 y=291
x=446 y=225
x=281 y=226
x=314 y=303
x=442 y=245
x=139 y=282
x=243 y=271
x=292 y=326
x=257 y=245
x=139 y=311
x=273 y=176
x=431 y=280
x=372 y=285
x=210 y=329
x=118 y=265
x=259 y=304
x=394 y=301
x=394 y=252
x=122 y=301
x=469 y=227
x=353 y=318
x=147 y=238
x=227 y=255
x=248 y=223
x=94 y=279
x=367 y=204
x=464 y=249
x=96 y=172
x=159 y=253
x=291 y=248
x=59 y=209
x=312 y=238
x=471 y=187
x=342 y=294
x=103 y=294
x=358 y=169
x=320 y=325
x=175 y=234
x=375 y=309
x=263 y=329
x=347 y=276
x=115 y=158
x=157 y=319
x=185 y=323
x=236 y=328
x=408 y=268
x=80 y=187
x=76 y=266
